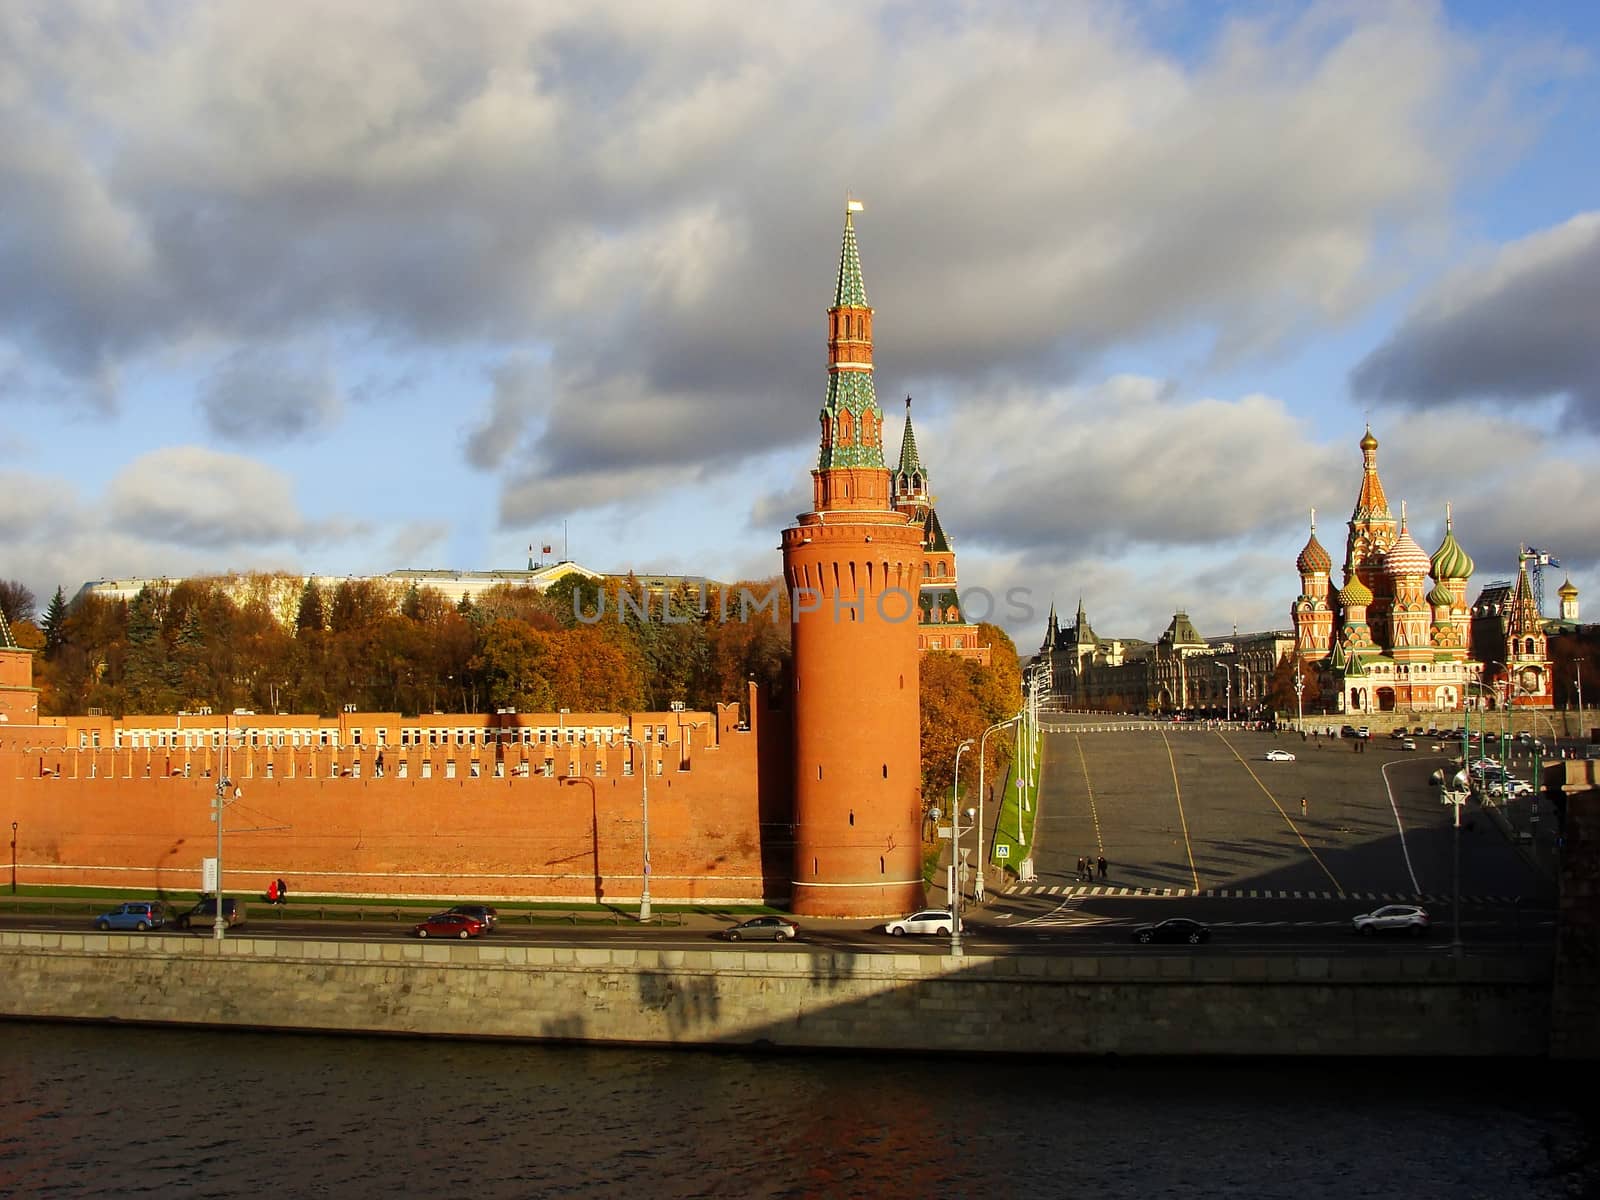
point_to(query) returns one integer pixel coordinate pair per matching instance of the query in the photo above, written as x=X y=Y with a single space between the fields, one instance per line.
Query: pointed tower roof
x=1523 y=618
x=1371 y=504
x=1450 y=561
x=909 y=461
x=7 y=642
x=850 y=291
x=933 y=538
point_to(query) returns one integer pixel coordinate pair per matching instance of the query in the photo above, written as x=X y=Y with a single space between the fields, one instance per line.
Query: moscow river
x=104 y=1111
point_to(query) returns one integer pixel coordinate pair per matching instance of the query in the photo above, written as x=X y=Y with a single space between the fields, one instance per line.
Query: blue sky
x=413 y=286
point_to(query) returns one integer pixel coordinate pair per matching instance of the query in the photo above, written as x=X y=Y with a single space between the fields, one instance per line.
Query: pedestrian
x=1302 y=806
x=1080 y=868
x=272 y=891
x=379 y=764
x=1101 y=863
x=283 y=892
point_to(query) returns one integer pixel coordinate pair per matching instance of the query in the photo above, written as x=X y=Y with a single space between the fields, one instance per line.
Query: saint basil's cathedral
x=1386 y=641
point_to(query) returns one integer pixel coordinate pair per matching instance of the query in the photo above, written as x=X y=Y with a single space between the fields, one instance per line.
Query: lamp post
x=13 y=858
x=1455 y=797
x=1299 y=702
x=644 y=788
x=1577 y=671
x=955 y=853
x=1227 y=688
x=219 y=925
x=982 y=762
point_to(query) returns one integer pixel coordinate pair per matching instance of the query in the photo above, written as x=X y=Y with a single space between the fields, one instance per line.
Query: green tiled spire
x=850 y=292
x=909 y=462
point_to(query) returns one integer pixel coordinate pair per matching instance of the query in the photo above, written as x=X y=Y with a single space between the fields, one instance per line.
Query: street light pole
x=219 y=925
x=982 y=762
x=13 y=858
x=1299 y=703
x=644 y=890
x=955 y=853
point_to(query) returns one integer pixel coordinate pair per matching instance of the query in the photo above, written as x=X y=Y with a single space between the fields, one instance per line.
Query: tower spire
x=851 y=451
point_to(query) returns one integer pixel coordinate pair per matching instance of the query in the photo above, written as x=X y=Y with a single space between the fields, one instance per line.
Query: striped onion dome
x=1440 y=597
x=1313 y=558
x=1355 y=593
x=1450 y=561
x=1405 y=557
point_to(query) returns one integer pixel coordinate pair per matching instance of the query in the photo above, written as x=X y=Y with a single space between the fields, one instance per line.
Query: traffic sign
x=1002 y=851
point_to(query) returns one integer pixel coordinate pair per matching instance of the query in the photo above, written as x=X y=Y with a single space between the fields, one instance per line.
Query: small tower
x=853 y=567
x=1371 y=533
x=1313 y=618
x=1527 y=652
x=1569 y=602
x=1452 y=567
x=19 y=699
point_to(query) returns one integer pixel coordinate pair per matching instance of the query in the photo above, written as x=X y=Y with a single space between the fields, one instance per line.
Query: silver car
x=1393 y=918
x=929 y=920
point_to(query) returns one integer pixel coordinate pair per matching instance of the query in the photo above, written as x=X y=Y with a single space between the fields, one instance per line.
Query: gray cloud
x=637 y=189
x=192 y=496
x=259 y=395
x=1523 y=326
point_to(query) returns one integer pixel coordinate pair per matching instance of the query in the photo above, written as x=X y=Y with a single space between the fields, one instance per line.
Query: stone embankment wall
x=1123 y=1004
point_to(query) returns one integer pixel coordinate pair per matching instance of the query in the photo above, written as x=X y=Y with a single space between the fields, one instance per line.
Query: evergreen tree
x=55 y=623
x=311 y=615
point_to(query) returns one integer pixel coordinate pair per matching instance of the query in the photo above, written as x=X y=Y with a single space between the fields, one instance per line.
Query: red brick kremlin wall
x=115 y=818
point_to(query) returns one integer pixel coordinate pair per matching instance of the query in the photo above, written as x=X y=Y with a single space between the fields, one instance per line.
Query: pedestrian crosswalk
x=1066 y=891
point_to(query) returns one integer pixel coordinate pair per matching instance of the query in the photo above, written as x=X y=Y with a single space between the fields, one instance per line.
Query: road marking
x=1415 y=886
x=1094 y=812
x=1177 y=793
x=1287 y=819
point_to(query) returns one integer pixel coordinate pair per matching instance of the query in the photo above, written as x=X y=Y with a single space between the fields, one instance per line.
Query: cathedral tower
x=853 y=565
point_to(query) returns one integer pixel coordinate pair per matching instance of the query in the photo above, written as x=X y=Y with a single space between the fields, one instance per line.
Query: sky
x=345 y=289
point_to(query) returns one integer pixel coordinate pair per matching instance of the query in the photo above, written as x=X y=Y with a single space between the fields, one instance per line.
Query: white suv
x=1406 y=918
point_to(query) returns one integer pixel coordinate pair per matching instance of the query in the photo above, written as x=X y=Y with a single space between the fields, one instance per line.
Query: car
x=142 y=915
x=487 y=913
x=1393 y=918
x=205 y=913
x=1398 y=732
x=1174 y=929
x=450 y=924
x=1279 y=756
x=1517 y=788
x=1363 y=732
x=757 y=929
x=1347 y=731
x=1408 y=744
x=929 y=920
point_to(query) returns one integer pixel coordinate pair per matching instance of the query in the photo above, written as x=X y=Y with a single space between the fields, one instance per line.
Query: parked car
x=1398 y=732
x=771 y=929
x=448 y=924
x=142 y=915
x=1279 y=756
x=1363 y=732
x=929 y=920
x=205 y=913
x=487 y=913
x=1393 y=918
x=1175 y=929
x=1347 y=731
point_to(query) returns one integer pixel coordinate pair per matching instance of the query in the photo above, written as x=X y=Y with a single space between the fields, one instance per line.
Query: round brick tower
x=853 y=566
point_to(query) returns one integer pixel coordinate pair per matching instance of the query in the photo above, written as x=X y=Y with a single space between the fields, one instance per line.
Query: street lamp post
x=219 y=925
x=1299 y=702
x=13 y=858
x=644 y=787
x=982 y=762
x=955 y=853
x=1456 y=797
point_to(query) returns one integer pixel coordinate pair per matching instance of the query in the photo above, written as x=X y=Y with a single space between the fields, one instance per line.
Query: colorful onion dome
x=1450 y=561
x=1405 y=557
x=1440 y=597
x=1355 y=594
x=1313 y=559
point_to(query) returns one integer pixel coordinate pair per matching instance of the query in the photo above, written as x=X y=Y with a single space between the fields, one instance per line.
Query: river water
x=105 y=1111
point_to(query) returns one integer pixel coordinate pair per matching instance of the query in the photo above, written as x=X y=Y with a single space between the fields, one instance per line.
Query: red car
x=457 y=925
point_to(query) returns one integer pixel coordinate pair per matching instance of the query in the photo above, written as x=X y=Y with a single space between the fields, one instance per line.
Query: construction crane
x=1540 y=559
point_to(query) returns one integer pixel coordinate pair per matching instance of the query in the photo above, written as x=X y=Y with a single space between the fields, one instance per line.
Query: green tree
x=311 y=617
x=55 y=621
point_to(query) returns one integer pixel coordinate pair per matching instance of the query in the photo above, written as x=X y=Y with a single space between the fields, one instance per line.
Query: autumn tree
x=16 y=601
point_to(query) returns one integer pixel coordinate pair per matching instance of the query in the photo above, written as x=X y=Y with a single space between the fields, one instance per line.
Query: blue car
x=136 y=914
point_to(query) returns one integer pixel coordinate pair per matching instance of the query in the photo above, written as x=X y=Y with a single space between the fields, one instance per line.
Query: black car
x=1178 y=929
x=1347 y=731
x=204 y=914
x=482 y=912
